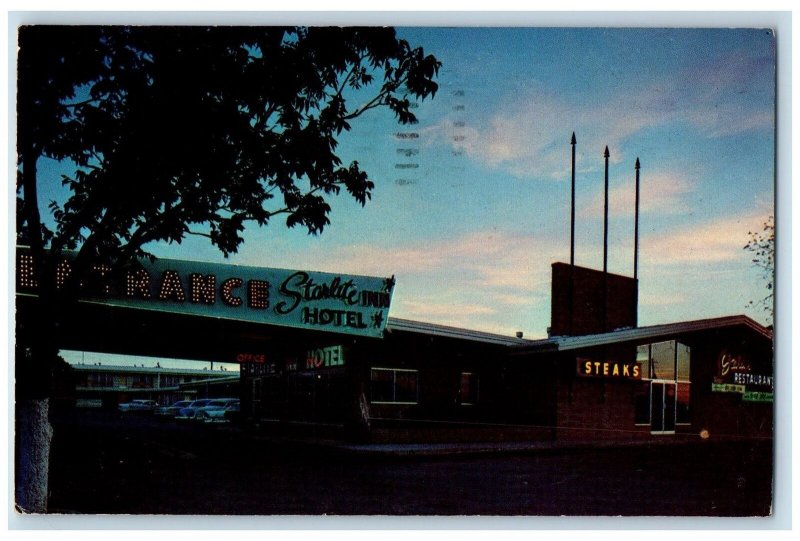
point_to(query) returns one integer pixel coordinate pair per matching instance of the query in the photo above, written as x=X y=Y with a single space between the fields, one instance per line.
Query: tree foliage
x=199 y=130
x=176 y=131
x=762 y=246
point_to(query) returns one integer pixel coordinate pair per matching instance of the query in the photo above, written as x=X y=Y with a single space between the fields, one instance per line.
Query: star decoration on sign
x=388 y=284
x=377 y=320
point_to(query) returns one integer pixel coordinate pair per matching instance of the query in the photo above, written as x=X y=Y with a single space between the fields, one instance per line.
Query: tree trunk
x=35 y=349
x=32 y=459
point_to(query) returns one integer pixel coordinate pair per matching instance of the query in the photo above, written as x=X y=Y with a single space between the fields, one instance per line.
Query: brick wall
x=597 y=409
x=586 y=313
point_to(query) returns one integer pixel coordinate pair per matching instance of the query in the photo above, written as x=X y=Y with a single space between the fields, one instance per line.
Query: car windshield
x=199 y=403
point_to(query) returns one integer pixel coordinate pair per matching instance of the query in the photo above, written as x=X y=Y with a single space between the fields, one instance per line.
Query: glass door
x=662 y=407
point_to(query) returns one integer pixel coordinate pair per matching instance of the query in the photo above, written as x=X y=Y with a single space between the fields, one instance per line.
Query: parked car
x=232 y=413
x=189 y=411
x=216 y=411
x=172 y=411
x=139 y=406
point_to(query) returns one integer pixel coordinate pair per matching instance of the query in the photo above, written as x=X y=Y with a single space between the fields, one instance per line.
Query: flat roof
x=153 y=370
x=652 y=332
x=568 y=343
x=431 y=329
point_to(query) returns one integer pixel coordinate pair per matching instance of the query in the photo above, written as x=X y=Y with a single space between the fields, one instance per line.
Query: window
x=643 y=358
x=641 y=401
x=663 y=358
x=468 y=390
x=683 y=377
x=682 y=416
x=683 y=363
x=394 y=386
x=668 y=362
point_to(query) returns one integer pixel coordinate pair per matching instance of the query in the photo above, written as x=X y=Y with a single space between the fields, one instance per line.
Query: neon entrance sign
x=348 y=304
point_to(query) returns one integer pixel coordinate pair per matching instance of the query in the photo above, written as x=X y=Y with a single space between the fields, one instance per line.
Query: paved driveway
x=107 y=463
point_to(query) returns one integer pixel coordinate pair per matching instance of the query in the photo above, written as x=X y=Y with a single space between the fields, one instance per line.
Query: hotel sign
x=329 y=357
x=349 y=304
x=608 y=369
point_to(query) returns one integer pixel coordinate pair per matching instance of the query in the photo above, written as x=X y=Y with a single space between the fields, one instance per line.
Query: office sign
x=348 y=304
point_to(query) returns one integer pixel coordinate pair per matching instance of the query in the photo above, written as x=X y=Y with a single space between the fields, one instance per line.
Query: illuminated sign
x=735 y=371
x=752 y=380
x=609 y=369
x=729 y=364
x=757 y=396
x=727 y=388
x=347 y=304
x=325 y=357
x=251 y=358
x=251 y=369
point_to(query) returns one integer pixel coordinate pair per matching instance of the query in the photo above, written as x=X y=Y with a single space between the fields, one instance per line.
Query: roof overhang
x=642 y=335
x=396 y=325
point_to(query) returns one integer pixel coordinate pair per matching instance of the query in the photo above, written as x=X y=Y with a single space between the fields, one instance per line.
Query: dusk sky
x=470 y=213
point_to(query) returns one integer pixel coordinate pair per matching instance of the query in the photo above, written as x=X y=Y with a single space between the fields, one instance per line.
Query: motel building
x=98 y=385
x=320 y=352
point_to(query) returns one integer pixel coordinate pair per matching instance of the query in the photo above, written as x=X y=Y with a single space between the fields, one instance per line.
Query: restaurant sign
x=727 y=388
x=608 y=369
x=735 y=373
x=757 y=396
x=348 y=304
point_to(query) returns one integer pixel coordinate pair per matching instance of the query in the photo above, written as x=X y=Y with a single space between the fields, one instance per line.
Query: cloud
x=427 y=309
x=715 y=242
x=661 y=193
x=529 y=136
x=651 y=299
x=483 y=258
x=453 y=280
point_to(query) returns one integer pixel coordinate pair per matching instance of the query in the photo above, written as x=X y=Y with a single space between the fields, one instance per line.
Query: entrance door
x=662 y=407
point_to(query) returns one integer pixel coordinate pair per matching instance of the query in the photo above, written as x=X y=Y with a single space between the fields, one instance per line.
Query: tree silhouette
x=177 y=131
x=762 y=245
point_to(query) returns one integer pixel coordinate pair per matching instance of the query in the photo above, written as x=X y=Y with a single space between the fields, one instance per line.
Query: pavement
x=106 y=464
x=481 y=448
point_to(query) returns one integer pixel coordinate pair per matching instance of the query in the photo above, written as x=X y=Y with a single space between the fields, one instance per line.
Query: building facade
x=422 y=382
x=105 y=386
x=319 y=350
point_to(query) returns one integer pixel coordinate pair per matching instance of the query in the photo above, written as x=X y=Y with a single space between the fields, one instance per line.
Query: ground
x=112 y=463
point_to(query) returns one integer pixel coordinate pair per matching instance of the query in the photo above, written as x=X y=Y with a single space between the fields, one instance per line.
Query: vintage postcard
x=404 y=270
